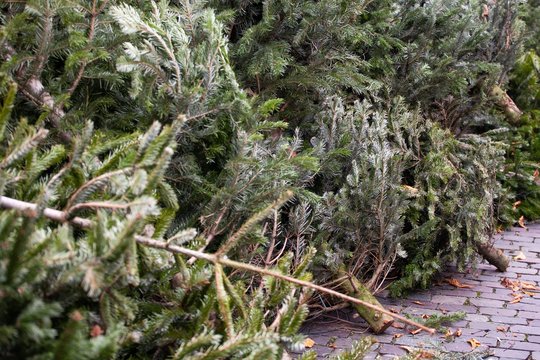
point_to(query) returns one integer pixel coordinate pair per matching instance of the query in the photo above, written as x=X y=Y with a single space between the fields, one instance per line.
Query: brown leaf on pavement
x=456 y=283
x=424 y=354
x=308 y=343
x=474 y=343
x=529 y=286
x=517 y=298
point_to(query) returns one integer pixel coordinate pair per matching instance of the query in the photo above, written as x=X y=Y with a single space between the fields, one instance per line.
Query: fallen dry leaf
x=425 y=316
x=502 y=328
x=424 y=354
x=521 y=222
x=456 y=283
x=414 y=332
x=509 y=284
x=517 y=298
x=516 y=204
x=308 y=343
x=520 y=256
x=529 y=286
x=398 y=325
x=418 y=303
x=536 y=174
x=531 y=294
x=397 y=336
x=449 y=333
x=499 y=229
x=393 y=310
x=474 y=343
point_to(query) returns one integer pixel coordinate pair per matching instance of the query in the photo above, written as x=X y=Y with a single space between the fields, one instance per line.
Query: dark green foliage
x=366 y=139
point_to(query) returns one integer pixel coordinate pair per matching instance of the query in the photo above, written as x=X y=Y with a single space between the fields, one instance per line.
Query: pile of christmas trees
x=189 y=179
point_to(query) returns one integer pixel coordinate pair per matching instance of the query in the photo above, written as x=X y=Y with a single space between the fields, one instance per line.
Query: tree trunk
x=501 y=98
x=378 y=321
x=493 y=255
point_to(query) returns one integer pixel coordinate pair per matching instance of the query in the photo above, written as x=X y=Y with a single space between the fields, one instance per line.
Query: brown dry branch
x=30 y=209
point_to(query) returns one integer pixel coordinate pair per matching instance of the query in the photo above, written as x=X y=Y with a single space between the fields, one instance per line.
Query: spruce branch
x=252 y=221
x=95 y=12
x=29 y=210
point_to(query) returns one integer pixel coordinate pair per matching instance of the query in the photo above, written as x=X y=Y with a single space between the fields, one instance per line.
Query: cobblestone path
x=507 y=330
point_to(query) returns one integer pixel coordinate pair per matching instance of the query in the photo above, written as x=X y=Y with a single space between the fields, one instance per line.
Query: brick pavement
x=505 y=330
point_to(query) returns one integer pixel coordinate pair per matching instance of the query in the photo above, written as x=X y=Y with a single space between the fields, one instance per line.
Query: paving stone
x=420 y=296
x=533 y=315
x=529 y=346
x=527 y=277
x=523 y=306
x=510 y=246
x=493 y=278
x=526 y=270
x=534 y=339
x=486 y=302
x=449 y=300
x=511 y=354
x=508 y=320
x=477 y=317
x=392 y=350
x=529 y=330
x=509 y=337
x=503 y=296
x=484 y=325
x=468 y=293
x=469 y=309
x=516 y=264
x=497 y=311
x=458 y=346
x=493 y=284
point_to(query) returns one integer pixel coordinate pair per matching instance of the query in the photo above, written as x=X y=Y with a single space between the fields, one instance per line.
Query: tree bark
x=501 y=98
x=493 y=255
x=378 y=321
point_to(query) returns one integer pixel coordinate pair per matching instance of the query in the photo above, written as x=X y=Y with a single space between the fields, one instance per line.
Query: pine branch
x=29 y=210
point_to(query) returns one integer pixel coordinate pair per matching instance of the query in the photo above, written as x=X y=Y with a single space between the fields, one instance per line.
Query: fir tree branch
x=30 y=210
x=91 y=31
